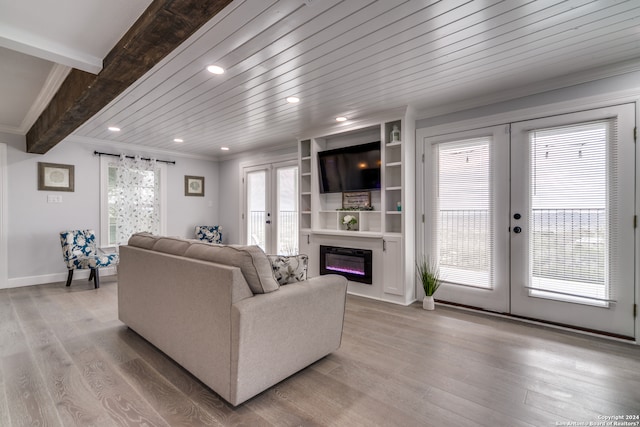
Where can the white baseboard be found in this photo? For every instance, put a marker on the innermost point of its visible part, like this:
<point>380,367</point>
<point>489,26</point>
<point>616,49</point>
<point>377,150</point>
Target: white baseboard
<point>19,282</point>
<point>357,294</point>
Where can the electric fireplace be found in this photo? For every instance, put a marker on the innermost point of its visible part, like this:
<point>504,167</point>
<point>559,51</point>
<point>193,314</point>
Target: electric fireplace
<point>354,264</point>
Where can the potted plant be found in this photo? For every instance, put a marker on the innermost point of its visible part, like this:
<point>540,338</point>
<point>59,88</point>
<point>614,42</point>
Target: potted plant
<point>429,275</point>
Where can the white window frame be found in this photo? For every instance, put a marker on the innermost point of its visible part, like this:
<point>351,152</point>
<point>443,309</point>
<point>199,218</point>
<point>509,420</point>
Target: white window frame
<point>105,161</point>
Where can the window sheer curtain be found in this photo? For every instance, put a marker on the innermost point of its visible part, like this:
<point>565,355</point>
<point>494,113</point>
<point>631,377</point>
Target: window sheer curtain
<point>136,197</point>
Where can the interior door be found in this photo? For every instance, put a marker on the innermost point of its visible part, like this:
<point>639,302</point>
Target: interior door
<point>271,207</point>
<point>466,230</point>
<point>572,232</point>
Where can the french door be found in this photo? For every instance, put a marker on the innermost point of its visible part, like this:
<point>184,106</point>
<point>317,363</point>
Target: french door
<point>271,207</point>
<point>466,198</point>
<point>572,210</point>
<point>536,218</point>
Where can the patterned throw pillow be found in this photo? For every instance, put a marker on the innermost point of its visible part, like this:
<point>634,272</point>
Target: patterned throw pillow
<point>289,269</point>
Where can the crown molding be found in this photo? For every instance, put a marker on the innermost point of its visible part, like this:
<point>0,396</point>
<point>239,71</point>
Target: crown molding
<point>12,130</point>
<point>55,78</point>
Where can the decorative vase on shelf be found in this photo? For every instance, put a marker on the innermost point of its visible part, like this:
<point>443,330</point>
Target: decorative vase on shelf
<point>395,134</point>
<point>350,221</point>
<point>428,303</point>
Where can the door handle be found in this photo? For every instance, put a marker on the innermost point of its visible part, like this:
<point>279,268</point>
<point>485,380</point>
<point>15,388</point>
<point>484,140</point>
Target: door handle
<point>268,221</point>
<point>517,230</point>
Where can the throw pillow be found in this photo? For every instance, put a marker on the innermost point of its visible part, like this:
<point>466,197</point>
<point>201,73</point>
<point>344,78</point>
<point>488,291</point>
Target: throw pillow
<point>289,269</point>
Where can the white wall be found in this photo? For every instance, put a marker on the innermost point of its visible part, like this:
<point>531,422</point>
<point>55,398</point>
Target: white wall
<point>621,86</point>
<point>230,187</point>
<point>34,225</point>
<point>185,212</point>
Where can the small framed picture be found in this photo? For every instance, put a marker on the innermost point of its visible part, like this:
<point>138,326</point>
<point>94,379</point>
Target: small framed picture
<point>55,177</point>
<point>356,200</point>
<point>194,186</point>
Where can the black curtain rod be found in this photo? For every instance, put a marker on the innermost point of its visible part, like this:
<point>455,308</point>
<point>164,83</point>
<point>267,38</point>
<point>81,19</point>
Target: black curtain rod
<point>98,153</point>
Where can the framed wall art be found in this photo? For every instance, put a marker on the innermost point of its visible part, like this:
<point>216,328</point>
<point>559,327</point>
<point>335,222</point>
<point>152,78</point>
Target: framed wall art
<point>55,177</point>
<point>356,200</point>
<point>194,186</point>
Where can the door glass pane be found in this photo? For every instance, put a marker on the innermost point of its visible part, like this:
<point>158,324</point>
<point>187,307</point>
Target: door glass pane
<point>463,230</point>
<point>568,213</point>
<point>287,179</point>
<point>256,208</point>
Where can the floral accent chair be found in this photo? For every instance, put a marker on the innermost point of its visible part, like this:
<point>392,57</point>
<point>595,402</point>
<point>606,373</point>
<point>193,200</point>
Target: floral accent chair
<point>289,268</point>
<point>79,252</point>
<point>209,233</point>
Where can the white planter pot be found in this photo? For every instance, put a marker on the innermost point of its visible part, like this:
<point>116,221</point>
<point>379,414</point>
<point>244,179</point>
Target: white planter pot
<point>428,303</point>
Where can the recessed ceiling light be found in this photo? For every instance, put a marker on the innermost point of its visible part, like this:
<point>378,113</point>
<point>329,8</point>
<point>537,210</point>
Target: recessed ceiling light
<point>178,140</point>
<point>224,148</point>
<point>293,99</point>
<point>214,69</point>
<point>341,119</point>
<point>114,129</point>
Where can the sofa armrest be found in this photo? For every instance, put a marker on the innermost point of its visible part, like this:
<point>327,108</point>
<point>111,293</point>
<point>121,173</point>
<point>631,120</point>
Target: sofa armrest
<point>275,335</point>
<point>183,307</point>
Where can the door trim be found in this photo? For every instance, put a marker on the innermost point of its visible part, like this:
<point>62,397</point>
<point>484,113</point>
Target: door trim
<point>253,163</point>
<point>496,299</point>
<point>617,316</point>
<point>4,209</point>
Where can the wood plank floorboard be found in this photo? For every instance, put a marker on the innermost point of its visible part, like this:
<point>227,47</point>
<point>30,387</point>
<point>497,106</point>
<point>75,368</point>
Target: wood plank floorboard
<point>66,360</point>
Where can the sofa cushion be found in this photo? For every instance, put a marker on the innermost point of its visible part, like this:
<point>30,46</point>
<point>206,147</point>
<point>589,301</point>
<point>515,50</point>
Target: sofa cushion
<point>251,260</point>
<point>171,245</point>
<point>289,269</point>
<point>143,240</point>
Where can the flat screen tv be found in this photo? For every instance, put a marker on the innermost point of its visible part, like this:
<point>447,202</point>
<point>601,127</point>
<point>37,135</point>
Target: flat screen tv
<point>354,168</point>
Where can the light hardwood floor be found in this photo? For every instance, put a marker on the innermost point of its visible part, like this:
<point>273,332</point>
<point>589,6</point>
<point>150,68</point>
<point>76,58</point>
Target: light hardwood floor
<point>65,360</point>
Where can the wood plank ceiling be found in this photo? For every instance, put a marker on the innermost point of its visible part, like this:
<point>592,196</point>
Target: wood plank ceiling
<point>357,58</point>
<point>161,28</point>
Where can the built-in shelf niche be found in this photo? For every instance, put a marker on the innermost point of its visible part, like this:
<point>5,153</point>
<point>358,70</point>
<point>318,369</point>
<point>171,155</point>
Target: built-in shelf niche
<point>393,152</point>
<point>393,172</point>
<point>388,128</point>
<point>368,221</point>
<point>394,197</point>
<point>305,184</point>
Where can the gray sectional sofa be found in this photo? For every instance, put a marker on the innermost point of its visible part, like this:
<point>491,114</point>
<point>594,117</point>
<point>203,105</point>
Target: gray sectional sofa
<point>219,312</point>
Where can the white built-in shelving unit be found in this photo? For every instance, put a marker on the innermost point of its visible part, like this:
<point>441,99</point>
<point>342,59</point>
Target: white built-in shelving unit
<point>387,230</point>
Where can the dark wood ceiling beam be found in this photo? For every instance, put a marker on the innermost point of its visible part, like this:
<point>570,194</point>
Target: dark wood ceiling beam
<point>163,26</point>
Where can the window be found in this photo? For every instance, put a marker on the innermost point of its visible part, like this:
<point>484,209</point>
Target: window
<point>463,211</point>
<point>570,189</point>
<point>133,198</point>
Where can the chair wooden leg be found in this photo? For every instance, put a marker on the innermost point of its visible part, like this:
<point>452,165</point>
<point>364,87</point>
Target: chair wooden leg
<point>69,277</point>
<point>91,274</point>
<point>96,278</point>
